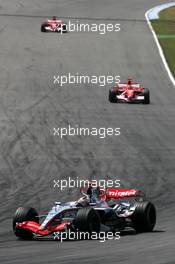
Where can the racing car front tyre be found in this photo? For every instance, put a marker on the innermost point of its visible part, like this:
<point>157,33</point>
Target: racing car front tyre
<point>146,96</point>
<point>43,28</point>
<point>64,28</point>
<point>24,214</point>
<point>87,220</point>
<point>144,217</point>
<point>112,96</point>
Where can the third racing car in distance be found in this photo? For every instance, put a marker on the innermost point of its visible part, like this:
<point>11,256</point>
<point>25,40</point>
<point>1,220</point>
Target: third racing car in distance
<point>98,209</point>
<point>129,92</point>
<point>54,25</point>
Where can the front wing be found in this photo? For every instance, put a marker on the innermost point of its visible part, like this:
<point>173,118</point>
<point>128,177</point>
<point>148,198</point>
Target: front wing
<point>36,229</point>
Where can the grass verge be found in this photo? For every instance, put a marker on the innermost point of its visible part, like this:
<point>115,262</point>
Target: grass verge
<point>165,30</point>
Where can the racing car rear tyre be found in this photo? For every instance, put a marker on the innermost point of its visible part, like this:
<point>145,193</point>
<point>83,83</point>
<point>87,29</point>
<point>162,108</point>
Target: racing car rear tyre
<point>112,96</point>
<point>146,96</point>
<point>87,220</point>
<point>144,217</point>
<point>24,214</point>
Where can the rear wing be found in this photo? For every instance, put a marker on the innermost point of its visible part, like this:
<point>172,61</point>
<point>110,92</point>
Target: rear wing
<point>133,85</point>
<point>55,21</point>
<point>122,193</point>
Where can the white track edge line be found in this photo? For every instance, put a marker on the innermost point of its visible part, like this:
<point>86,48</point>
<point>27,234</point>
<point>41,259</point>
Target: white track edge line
<point>161,53</point>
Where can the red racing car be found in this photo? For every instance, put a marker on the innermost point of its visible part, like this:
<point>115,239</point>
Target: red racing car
<point>54,25</point>
<point>129,92</point>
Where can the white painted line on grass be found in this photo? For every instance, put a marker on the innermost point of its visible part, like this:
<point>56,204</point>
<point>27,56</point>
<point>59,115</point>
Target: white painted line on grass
<point>159,47</point>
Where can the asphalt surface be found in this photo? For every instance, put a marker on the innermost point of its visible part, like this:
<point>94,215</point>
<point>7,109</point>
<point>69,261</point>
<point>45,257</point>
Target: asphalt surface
<point>143,156</point>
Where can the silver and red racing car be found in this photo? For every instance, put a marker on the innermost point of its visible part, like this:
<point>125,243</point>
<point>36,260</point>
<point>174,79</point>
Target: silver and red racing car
<point>129,92</point>
<point>54,25</point>
<point>97,209</point>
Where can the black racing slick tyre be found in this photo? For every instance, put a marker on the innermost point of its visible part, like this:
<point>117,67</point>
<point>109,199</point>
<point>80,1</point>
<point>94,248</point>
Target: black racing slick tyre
<point>144,217</point>
<point>112,96</point>
<point>146,96</point>
<point>64,28</point>
<point>87,220</point>
<point>24,214</point>
<point>43,28</point>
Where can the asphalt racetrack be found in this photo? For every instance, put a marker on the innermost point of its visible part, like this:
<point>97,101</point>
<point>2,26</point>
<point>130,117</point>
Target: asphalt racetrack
<point>143,156</point>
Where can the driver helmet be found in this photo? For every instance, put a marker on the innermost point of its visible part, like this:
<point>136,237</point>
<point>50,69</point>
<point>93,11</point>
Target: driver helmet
<point>96,194</point>
<point>129,81</point>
